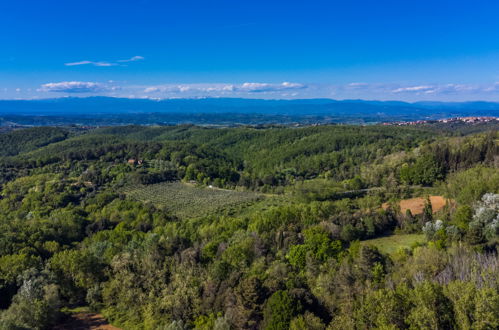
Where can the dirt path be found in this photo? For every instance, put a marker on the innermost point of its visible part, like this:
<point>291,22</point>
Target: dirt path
<point>85,321</point>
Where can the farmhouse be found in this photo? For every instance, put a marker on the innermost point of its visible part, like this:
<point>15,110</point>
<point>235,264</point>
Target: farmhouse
<point>133,161</point>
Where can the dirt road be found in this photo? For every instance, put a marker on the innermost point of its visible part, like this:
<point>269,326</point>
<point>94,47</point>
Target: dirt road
<point>85,321</point>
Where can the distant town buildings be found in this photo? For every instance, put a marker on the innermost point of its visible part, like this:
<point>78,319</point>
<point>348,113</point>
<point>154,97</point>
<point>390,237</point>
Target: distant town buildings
<point>467,120</point>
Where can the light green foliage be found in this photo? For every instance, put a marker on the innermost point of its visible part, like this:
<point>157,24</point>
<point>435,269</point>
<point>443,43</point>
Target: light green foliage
<point>13,266</point>
<point>394,243</point>
<point>307,321</point>
<point>382,309</point>
<point>469,186</point>
<point>433,310</point>
<point>486,313</point>
<point>211,322</point>
<point>80,266</point>
<point>463,296</point>
<point>241,251</point>
<point>297,255</point>
<point>317,245</point>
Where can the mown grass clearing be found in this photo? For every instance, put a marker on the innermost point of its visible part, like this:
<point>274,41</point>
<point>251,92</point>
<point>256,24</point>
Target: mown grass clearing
<point>393,243</point>
<point>187,201</point>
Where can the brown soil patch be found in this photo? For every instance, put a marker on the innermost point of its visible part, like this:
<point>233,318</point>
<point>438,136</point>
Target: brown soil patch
<point>86,321</point>
<point>416,205</point>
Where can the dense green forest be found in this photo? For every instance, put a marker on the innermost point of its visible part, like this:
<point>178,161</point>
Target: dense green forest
<point>188,227</point>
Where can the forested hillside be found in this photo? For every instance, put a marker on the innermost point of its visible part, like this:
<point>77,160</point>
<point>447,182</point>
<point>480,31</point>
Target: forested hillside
<point>16,142</point>
<point>187,227</point>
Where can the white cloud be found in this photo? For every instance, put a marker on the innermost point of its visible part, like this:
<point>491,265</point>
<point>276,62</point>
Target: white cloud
<point>104,63</point>
<point>90,63</point>
<point>412,92</point>
<point>459,88</point>
<point>493,88</point>
<point>266,88</point>
<point>184,88</point>
<point>285,90</point>
<point>172,89</point>
<point>416,89</point>
<point>444,89</point>
<point>224,89</point>
<point>73,87</point>
<point>358,85</point>
<point>151,90</point>
<point>132,59</point>
<point>78,63</point>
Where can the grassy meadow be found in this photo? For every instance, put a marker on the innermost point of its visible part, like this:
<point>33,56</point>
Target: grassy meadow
<point>393,243</point>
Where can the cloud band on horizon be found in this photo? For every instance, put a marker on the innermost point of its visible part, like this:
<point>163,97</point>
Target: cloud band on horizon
<point>247,87</point>
<point>284,90</point>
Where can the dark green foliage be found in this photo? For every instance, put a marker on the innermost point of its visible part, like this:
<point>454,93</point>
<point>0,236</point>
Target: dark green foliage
<point>427,210</point>
<point>462,217</point>
<point>279,310</point>
<point>28,139</point>
<point>425,171</point>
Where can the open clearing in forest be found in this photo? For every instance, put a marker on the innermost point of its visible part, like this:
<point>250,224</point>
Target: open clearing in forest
<point>187,201</point>
<point>85,321</point>
<point>393,243</point>
<point>416,205</point>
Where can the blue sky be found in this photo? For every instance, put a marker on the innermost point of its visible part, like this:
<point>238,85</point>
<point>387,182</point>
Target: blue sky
<point>404,50</point>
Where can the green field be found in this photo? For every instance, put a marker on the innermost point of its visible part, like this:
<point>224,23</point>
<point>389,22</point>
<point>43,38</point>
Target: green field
<point>393,243</point>
<point>187,201</point>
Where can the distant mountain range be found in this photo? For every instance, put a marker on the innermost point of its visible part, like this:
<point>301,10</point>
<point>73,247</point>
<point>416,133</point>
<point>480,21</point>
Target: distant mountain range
<point>212,110</point>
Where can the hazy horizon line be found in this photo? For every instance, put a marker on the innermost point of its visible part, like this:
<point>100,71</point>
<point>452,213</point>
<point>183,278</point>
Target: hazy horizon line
<point>244,98</point>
